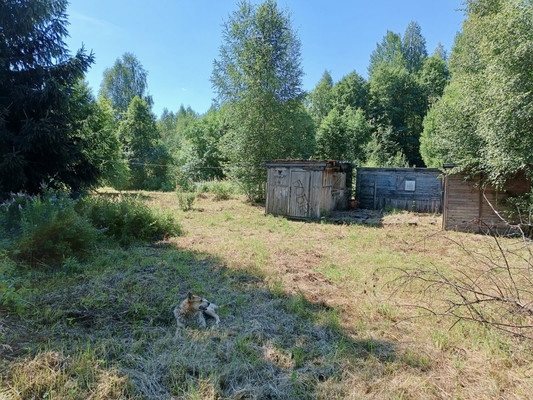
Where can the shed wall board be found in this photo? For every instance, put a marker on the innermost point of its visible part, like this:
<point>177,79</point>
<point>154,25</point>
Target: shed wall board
<point>472,208</point>
<point>306,189</point>
<point>413,189</point>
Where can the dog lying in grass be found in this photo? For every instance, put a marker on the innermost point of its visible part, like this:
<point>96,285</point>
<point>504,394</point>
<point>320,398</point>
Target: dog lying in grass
<point>195,306</point>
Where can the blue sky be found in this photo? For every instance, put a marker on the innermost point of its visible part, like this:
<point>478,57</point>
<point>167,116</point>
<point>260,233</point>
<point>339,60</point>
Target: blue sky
<point>177,41</point>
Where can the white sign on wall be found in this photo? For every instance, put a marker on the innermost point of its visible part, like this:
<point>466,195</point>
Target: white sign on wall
<point>410,186</point>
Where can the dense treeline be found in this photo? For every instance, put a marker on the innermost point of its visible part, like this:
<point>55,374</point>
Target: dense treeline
<point>412,109</point>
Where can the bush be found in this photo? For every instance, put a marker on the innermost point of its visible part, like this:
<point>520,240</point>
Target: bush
<point>11,213</point>
<point>128,220</point>
<point>186,200</point>
<point>223,190</point>
<point>11,294</point>
<point>45,228</point>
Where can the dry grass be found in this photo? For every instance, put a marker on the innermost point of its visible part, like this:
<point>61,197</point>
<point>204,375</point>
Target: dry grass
<point>313,313</point>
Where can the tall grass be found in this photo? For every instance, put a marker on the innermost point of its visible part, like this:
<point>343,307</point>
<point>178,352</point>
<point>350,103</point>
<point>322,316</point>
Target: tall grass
<point>307,312</point>
<point>128,220</point>
<point>52,374</point>
<point>222,190</point>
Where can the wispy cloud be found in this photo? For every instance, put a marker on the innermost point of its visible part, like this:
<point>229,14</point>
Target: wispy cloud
<point>96,22</point>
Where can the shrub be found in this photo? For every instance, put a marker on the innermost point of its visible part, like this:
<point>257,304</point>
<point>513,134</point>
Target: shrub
<point>186,200</point>
<point>11,296</point>
<point>129,220</point>
<point>223,190</point>
<point>46,227</point>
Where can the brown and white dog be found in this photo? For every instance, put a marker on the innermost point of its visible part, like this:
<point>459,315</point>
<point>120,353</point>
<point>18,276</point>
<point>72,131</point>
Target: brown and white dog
<point>195,306</point>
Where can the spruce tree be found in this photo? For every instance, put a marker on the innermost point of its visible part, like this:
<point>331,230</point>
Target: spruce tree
<point>39,139</point>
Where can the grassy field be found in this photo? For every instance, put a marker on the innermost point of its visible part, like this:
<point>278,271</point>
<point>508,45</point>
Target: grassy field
<point>313,310</point>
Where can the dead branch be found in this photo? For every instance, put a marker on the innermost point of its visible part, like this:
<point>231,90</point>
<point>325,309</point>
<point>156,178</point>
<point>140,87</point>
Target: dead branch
<point>495,289</point>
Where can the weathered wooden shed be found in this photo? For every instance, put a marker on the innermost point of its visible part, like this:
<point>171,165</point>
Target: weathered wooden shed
<point>470,207</point>
<point>412,189</point>
<point>305,189</point>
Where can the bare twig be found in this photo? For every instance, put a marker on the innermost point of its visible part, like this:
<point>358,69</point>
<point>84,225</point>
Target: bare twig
<point>496,289</point>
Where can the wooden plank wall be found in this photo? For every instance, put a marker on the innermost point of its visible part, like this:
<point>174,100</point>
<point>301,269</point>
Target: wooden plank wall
<point>335,190</point>
<point>306,189</point>
<point>470,208</point>
<point>302,203</point>
<point>278,191</point>
<point>413,189</point>
<point>462,199</point>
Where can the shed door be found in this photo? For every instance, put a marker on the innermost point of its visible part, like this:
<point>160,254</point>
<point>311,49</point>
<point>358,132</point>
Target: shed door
<point>300,194</point>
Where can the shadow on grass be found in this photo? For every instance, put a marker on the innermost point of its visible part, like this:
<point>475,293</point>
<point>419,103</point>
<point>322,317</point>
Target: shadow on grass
<point>268,345</point>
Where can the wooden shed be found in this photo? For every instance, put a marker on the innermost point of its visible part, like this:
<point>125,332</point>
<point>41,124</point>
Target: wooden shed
<point>469,207</point>
<point>305,189</point>
<point>412,189</point>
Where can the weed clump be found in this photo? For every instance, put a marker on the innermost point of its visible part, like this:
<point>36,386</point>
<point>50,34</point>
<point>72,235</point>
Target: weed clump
<point>128,220</point>
<point>45,228</point>
<point>186,200</point>
<point>223,190</point>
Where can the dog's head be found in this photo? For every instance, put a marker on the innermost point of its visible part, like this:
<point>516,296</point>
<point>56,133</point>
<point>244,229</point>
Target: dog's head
<point>196,303</point>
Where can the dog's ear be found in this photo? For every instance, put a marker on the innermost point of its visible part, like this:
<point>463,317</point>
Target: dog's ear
<point>189,295</point>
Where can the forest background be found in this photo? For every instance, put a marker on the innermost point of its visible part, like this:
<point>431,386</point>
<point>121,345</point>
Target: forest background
<point>415,108</point>
<point>88,277</point>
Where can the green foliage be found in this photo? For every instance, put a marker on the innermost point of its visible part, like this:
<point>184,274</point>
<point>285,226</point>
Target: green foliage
<point>382,151</point>
<point>398,101</point>
<point>403,82</point>
<point>95,123</point>
<point>125,80</point>
<point>10,216</point>
<point>146,156</point>
<point>522,211</point>
<point>414,47</point>
<point>259,77</point>
<point>11,295</point>
<point>343,136</point>
<point>388,52</point>
<point>128,220</point>
<point>201,154</point>
<point>482,124</point>
<point>38,111</point>
<point>186,200</point>
<point>261,53</point>
<point>350,91</point>
<point>269,130</point>
<point>321,99</point>
<point>173,128</point>
<point>223,190</point>
<point>428,141</point>
<point>434,75</point>
<point>46,228</point>
<point>331,136</point>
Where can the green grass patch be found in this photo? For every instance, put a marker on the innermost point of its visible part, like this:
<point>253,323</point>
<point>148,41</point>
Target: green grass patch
<point>307,312</point>
<point>129,220</point>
